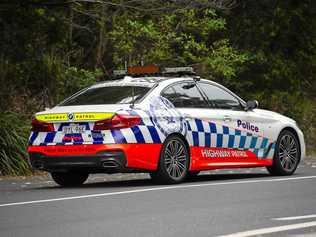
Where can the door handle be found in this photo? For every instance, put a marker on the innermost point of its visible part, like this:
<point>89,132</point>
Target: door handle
<point>187,117</point>
<point>227,118</point>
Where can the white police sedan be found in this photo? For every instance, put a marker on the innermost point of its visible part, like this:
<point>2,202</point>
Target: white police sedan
<point>171,125</point>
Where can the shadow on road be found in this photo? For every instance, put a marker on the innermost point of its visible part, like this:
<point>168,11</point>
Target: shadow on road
<point>146,182</point>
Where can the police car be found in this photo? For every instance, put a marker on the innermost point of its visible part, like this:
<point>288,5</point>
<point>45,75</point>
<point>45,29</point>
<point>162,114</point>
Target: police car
<point>171,124</point>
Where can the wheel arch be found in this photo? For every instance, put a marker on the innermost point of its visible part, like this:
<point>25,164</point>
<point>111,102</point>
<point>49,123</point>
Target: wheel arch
<point>182,137</point>
<point>288,128</point>
<point>277,168</point>
<point>159,175</point>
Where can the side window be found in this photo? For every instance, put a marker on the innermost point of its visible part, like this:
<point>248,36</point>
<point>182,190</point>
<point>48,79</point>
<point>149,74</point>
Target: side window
<point>185,95</point>
<point>220,98</point>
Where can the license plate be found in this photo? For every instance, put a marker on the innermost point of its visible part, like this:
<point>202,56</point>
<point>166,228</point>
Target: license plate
<point>74,128</point>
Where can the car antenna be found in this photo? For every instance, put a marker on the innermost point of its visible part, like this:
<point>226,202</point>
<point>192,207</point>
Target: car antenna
<point>133,91</point>
<point>133,97</point>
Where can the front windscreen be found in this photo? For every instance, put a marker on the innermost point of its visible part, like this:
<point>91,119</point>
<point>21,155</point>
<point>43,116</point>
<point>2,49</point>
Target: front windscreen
<point>108,95</point>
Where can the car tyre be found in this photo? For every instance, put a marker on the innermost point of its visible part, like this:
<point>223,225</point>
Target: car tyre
<point>173,163</point>
<point>69,179</point>
<point>192,175</point>
<point>286,156</point>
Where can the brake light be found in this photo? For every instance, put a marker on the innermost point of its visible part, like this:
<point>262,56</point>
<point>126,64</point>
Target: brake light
<point>117,122</point>
<point>39,126</point>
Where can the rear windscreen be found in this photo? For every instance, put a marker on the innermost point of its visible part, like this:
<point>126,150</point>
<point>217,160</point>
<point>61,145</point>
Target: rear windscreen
<point>108,95</point>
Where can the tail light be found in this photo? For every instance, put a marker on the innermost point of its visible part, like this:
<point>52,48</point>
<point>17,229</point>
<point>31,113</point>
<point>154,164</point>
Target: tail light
<point>38,126</point>
<point>117,122</point>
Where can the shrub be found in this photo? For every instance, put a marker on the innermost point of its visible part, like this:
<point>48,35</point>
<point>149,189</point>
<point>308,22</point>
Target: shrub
<point>14,133</point>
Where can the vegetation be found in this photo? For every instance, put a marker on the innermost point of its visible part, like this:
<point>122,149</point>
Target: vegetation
<point>263,50</point>
<point>14,134</point>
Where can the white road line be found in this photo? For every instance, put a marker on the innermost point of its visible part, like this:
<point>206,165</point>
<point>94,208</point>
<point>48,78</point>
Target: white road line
<point>155,189</point>
<point>271,230</point>
<point>289,218</point>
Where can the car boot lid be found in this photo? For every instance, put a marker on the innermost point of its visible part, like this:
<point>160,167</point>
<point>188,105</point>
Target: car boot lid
<point>79,113</point>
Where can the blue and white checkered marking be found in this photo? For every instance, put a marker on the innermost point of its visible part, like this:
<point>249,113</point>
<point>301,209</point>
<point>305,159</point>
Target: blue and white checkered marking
<point>198,133</point>
<point>146,132</point>
<point>208,134</point>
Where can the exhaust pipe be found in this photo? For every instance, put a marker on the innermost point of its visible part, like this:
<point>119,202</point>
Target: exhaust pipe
<point>109,164</point>
<point>38,165</point>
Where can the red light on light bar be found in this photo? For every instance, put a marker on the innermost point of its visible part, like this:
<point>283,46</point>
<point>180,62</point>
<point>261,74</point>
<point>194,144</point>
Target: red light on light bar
<point>148,69</point>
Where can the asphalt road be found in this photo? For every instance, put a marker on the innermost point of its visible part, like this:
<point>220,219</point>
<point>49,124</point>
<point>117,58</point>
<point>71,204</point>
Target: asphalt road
<point>214,204</point>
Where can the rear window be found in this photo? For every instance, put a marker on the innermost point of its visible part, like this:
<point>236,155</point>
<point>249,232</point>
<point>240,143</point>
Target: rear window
<point>108,95</point>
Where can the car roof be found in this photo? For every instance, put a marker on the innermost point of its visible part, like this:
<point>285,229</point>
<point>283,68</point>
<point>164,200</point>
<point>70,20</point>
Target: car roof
<point>155,81</point>
<point>144,81</point>
<point>150,81</point>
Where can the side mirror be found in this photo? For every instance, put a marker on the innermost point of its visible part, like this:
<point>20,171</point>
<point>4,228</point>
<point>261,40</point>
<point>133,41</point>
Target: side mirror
<point>188,86</point>
<point>251,104</point>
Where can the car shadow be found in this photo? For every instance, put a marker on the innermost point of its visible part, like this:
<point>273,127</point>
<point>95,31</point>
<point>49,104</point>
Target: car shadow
<point>146,182</point>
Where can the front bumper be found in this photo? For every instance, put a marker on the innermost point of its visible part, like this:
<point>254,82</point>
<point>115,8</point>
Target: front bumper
<point>302,144</point>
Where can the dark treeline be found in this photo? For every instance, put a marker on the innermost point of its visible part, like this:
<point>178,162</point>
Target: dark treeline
<point>264,50</point>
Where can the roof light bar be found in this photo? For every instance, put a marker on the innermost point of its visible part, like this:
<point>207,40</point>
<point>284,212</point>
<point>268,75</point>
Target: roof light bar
<point>153,70</point>
<point>178,70</point>
<point>119,72</point>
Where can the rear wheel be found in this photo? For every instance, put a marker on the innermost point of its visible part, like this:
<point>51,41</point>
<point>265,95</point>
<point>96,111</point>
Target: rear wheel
<point>287,154</point>
<point>174,162</point>
<point>69,179</point>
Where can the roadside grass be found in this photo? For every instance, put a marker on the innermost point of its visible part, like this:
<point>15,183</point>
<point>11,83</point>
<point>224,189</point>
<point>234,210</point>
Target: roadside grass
<point>13,142</point>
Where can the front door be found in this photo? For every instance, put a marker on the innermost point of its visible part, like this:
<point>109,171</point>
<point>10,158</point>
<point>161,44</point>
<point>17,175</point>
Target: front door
<point>242,130</point>
<point>220,132</point>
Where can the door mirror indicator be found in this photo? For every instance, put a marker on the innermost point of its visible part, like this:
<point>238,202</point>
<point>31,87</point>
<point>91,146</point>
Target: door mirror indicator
<point>251,104</point>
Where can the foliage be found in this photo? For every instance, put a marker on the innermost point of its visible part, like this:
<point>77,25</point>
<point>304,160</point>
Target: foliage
<point>263,50</point>
<point>280,39</point>
<point>73,80</point>
<point>187,37</point>
<point>14,134</point>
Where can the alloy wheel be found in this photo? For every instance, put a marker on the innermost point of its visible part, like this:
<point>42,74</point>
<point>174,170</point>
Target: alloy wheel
<point>175,159</point>
<point>288,152</point>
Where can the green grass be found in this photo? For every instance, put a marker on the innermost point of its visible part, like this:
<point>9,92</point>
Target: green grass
<point>14,131</point>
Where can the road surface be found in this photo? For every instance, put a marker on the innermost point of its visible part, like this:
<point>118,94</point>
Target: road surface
<point>235,203</point>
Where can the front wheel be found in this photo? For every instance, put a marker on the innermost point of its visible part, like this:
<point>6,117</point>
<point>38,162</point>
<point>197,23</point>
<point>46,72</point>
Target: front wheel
<point>69,179</point>
<point>174,162</point>
<point>287,154</point>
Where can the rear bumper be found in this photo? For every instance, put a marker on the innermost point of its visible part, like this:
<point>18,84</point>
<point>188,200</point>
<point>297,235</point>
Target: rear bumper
<point>107,162</point>
<point>95,158</point>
